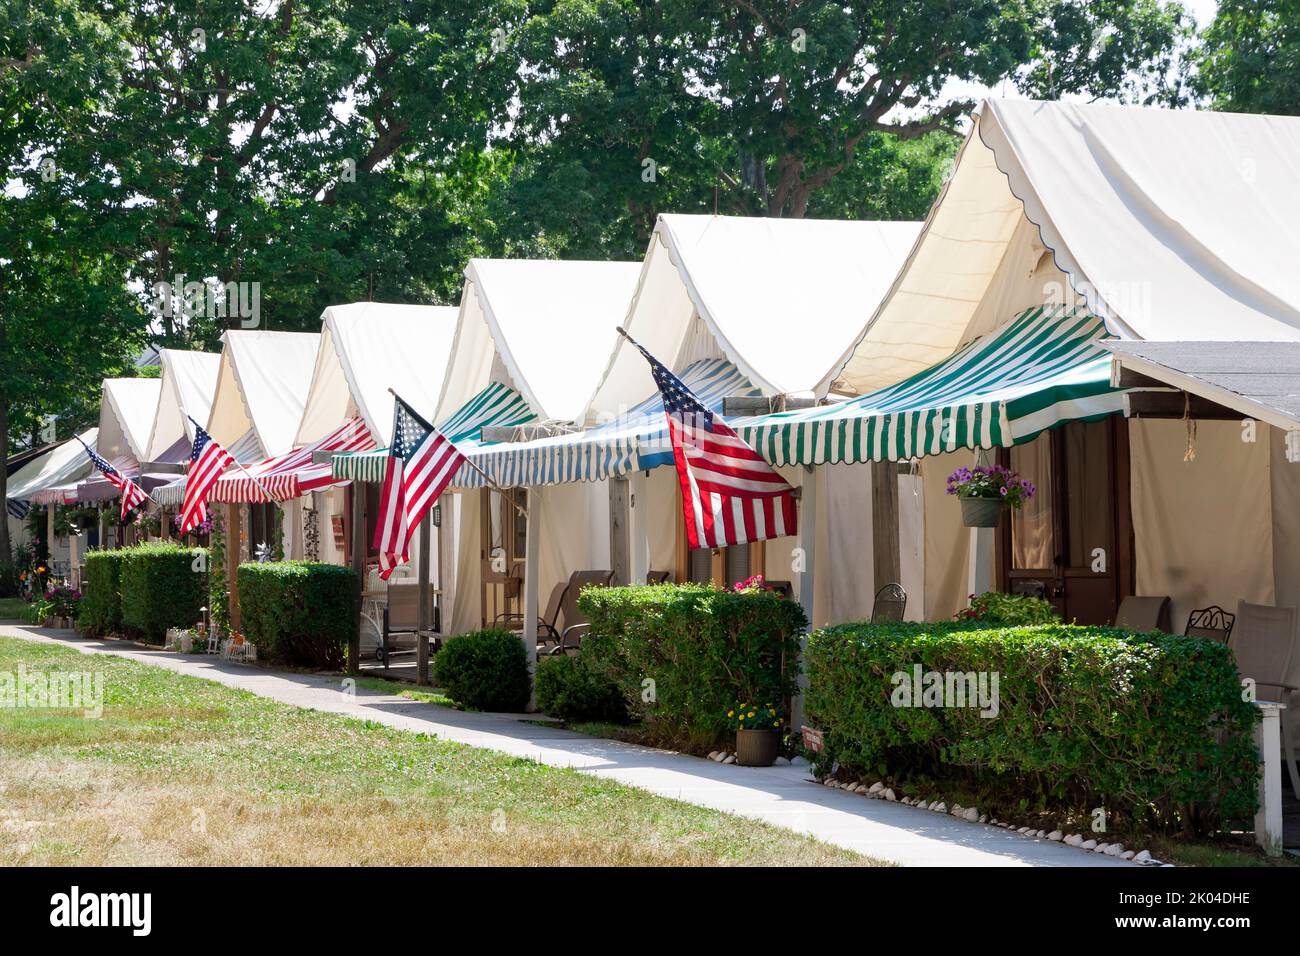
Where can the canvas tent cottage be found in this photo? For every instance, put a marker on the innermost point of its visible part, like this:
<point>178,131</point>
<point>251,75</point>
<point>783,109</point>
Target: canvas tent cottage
<point>713,300</point>
<point>1063,227</point>
<point>48,479</point>
<point>261,388</point>
<point>366,349</point>
<point>530,342</point>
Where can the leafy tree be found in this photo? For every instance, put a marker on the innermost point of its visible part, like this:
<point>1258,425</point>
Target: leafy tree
<point>66,316</point>
<point>758,106</point>
<point>1249,58</point>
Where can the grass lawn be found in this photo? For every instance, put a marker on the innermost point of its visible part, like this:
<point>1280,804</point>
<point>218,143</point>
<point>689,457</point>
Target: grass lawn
<point>11,609</point>
<point>184,771</point>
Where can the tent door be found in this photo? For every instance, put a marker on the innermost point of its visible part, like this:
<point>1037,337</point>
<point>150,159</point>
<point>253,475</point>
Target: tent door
<point>1071,543</point>
<point>503,533</point>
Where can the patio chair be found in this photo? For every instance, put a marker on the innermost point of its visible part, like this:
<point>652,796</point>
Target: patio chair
<point>890,603</point>
<point>547,623</point>
<point>1143,614</point>
<point>402,616</point>
<point>1212,623</point>
<point>575,622</point>
<point>1263,643</point>
<point>658,577</point>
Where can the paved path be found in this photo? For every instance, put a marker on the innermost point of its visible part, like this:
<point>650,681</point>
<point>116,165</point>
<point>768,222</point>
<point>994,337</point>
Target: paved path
<point>784,796</point>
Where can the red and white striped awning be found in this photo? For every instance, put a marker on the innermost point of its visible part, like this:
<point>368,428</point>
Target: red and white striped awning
<point>292,474</point>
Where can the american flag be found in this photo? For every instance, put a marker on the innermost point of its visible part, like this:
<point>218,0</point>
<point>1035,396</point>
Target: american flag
<point>132,494</point>
<point>730,495</point>
<point>207,461</point>
<point>421,462</point>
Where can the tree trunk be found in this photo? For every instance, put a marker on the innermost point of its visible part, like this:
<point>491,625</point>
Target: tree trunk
<point>6,549</point>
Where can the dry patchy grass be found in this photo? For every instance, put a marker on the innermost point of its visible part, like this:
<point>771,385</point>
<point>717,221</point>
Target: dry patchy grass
<point>184,771</point>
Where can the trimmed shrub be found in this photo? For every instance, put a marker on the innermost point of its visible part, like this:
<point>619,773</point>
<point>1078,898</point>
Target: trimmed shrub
<point>162,585</point>
<point>567,688</point>
<point>995,609</point>
<point>485,670</point>
<point>1150,726</point>
<point>300,612</point>
<point>100,612</point>
<point>703,648</point>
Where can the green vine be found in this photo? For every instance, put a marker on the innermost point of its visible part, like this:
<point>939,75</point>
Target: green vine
<point>218,587</point>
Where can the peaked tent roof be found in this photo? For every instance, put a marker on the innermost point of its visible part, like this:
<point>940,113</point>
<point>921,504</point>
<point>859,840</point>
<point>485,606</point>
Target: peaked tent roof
<point>262,385</point>
<point>783,299</point>
<point>1168,224</point>
<point>366,348</point>
<point>63,465</point>
<point>545,327</point>
<point>189,383</point>
<point>126,412</point>
<point>1044,368</point>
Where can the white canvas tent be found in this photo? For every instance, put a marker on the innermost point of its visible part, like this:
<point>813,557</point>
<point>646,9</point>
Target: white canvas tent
<point>59,468</point>
<point>780,300</point>
<point>126,414</point>
<point>366,348</point>
<point>540,334</point>
<point>1167,225</point>
<point>188,385</point>
<point>262,386</point>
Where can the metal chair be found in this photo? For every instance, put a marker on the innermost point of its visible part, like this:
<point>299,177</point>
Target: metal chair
<point>1212,623</point>
<point>890,603</point>
<point>658,577</point>
<point>1263,643</point>
<point>575,622</point>
<point>1143,614</point>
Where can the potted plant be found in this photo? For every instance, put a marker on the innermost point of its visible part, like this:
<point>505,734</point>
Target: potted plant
<point>758,734</point>
<point>984,491</point>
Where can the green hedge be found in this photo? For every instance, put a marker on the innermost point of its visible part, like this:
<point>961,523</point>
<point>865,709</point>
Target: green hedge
<point>484,670</point>
<point>100,612</point>
<point>162,585</point>
<point>569,689</point>
<point>684,654</point>
<point>301,612</point>
<point>1151,727</point>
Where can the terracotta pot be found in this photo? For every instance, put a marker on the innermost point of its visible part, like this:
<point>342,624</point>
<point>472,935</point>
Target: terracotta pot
<point>980,512</point>
<point>757,748</point>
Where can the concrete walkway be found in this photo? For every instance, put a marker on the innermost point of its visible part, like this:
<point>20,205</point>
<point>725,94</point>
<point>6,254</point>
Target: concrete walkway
<point>784,796</point>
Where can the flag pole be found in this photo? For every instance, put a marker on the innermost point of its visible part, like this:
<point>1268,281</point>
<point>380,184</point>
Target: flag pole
<point>486,477</point>
<point>251,477</point>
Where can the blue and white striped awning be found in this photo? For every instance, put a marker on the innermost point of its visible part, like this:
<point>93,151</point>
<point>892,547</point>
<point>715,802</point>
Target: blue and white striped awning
<point>1004,388</point>
<point>634,441</point>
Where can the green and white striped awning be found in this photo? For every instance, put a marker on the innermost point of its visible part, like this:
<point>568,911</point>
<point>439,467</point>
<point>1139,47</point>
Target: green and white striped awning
<point>1040,370</point>
<point>497,405</point>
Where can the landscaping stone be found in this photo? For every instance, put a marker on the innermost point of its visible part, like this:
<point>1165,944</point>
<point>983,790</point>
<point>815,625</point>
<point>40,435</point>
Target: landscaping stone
<point>1115,849</point>
<point>1074,839</point>
<point>984,818</point>
<point>1088,844</point>
<point>1143,856</point>
<point>939,807</point>
<point>889,795</point>
<point>971,814</point>
<point>731,758</point>
<point>1056,836</point>
<point>781,762</point>
<point>876,787</point>
<point>1126,855</point>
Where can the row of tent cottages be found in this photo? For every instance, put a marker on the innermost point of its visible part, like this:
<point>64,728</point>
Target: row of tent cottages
<point>1099,298</point>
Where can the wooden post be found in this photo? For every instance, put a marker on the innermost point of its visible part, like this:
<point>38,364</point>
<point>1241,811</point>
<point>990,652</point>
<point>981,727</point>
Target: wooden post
<point>638,530</point>
<point>232,564</point>
<point>358,492</point>
<point>446,561</point>
<point>532,550</point>
<point>1268,819</point>
<point>620,554</point>
<point>164,527</point>
<point>807,583</point>
<point>886,563</point>
<point>49,537</point>
<point>422,622</point>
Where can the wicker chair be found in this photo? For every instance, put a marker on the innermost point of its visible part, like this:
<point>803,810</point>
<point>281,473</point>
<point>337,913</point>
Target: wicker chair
<point>890,604</point>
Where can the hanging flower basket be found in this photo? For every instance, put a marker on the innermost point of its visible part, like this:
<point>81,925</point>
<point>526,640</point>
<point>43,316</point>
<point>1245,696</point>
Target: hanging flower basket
<point>985,491</point>
<point>980,512</point>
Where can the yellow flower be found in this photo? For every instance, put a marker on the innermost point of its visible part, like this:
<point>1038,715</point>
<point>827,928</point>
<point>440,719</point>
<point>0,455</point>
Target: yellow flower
<point>731,713</point>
